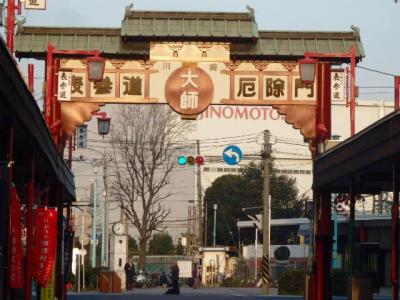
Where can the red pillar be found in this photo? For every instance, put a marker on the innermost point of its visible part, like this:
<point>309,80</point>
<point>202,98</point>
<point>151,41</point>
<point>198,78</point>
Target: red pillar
<point>48,101</point>
<point>60,285</point>
<point>397,92</point>
<point>353,91</point>
<point>323,239</point>
<point>29,236</point>
<point>351,229</point>
<point>322,207</point>
<point>10,157</point>
<point>10,24</point>
<point>395,230</point>
<point>70,152</point>
<point>31,77</point>
<point>57,107</point>
<point>323,112</point>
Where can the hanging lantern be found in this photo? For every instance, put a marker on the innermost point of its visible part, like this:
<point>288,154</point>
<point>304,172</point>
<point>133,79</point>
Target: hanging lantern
<point>103,125</point>
<point>95,68</point>
<point>307,67</point>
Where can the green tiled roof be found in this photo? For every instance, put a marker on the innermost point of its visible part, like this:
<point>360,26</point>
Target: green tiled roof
<point>296,43</point>
<point>32,41</point>
<point>139,28</point>
<point>182,25</point>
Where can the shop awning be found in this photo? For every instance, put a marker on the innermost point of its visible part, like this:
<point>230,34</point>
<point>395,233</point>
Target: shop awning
<point>31,134</point>
<point>366,158</point>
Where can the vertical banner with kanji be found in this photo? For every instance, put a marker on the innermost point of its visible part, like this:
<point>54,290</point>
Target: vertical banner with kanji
<point>45,243</point>
<point>68,248</point>
<point>338,83</point>
<point>16,260</point>
<point>64,85</point>
<point>47,293</point>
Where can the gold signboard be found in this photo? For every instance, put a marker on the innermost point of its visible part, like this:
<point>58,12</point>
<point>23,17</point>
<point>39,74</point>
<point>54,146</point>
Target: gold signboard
<point>189,77</point>
<point>147,82</point>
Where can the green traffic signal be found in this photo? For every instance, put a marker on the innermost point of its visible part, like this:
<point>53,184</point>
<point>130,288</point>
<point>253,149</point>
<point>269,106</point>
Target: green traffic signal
<point>190,160</point>
<point>182,160</point>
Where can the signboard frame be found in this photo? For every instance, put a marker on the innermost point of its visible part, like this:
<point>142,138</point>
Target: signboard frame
<point>185,268</point>
<point>36,4</point>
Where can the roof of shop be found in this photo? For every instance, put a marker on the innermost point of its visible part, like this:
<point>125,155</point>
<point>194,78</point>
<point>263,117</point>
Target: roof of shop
<point>366,158</point>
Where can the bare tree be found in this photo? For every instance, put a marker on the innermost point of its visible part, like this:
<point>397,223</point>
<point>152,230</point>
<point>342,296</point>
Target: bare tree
<point>144,140</point>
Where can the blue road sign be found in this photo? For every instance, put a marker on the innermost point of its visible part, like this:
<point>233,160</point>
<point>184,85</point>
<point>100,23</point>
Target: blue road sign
<point>232,155</point>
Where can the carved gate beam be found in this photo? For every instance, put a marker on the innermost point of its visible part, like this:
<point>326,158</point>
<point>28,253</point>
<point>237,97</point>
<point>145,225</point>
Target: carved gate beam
<point>76,113</point>
<point>301,117</point>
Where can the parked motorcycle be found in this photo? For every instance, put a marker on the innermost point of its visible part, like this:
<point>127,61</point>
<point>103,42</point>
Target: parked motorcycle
<point>140,279</point>
<point>144,279</point>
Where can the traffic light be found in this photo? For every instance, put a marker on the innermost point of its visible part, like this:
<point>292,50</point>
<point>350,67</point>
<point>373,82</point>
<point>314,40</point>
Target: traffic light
<point>81,133</point>
<point>190,160</point>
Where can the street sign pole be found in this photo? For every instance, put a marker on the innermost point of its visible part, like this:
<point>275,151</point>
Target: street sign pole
<point>215,224</point>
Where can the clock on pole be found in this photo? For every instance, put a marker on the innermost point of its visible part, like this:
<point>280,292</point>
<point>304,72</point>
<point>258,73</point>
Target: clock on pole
<point>118,228</point>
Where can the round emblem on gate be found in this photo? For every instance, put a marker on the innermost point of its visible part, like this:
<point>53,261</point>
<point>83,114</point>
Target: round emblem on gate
<point>189,90</point>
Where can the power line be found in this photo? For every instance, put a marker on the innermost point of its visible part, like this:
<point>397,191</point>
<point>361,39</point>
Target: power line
<point>375,87</point>
<point>375,93</point>
<point>376,71</point>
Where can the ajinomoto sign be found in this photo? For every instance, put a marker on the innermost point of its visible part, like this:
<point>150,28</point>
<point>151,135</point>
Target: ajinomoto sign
<point>190,82</point>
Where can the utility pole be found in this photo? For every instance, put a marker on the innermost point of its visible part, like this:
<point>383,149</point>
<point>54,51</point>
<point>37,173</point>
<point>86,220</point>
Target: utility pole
<point>267,212</point>
<point>94,231</point>
<point>189,232</point>
<point>199,201</point>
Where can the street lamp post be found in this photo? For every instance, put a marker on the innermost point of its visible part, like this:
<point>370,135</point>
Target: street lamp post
<point>105,233</point>
<point>103,127</point>
<point>215,224</point>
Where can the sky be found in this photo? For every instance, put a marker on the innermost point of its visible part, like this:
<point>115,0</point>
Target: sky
<point>378,21</point>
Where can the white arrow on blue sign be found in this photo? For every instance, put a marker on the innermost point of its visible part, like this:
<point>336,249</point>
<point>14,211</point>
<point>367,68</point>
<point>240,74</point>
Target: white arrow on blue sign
<point>232,155</point>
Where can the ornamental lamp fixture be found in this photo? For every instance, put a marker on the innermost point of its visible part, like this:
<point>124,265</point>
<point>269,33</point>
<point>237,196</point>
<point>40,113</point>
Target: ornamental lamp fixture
<point>95,68</point>
<point>307,67</point>
<point>103,125</point>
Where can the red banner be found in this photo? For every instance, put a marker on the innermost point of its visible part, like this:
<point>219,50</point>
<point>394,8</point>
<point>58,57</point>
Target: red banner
<point>45,243</point>
<point>16,259</point>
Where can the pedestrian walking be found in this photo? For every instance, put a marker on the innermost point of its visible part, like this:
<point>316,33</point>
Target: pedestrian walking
<point>175,281</point>
<point>196,277</point>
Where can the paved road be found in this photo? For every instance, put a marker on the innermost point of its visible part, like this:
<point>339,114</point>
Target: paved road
<point>187,293</point>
